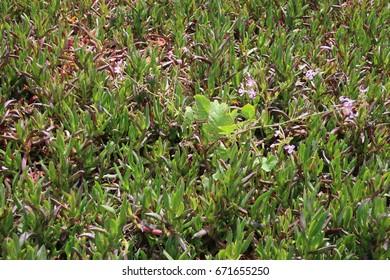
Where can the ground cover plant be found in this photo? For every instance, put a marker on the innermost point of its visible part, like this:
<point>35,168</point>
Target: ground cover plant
<point>194,129</point>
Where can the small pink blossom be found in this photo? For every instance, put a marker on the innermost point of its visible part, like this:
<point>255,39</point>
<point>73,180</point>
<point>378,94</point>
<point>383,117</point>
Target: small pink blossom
<point>277,133</point>
<point>252,93</point>
<point>249,87</point>
<point>120,66</point>
<point>289,148</point>
<point>185,49</point>
<point>241,90</point>
<point>310,74</point>
<point>350,112</point>
<point>344,99</point>
<point>250,82</point>
<point>302,66</point>
<point>348,108</point>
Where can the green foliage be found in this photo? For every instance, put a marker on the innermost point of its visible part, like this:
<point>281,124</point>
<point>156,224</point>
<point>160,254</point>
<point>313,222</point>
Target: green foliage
<point>194,130</point>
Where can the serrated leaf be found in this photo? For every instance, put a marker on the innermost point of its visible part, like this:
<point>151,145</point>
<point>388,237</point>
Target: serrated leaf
<point>223,153</point>
<point>227,129</point>
<point>211,131</point>
<point>267,164</point>
<point>248,111</point>
<point>219,116</point>
<point>202,107</point>
<point>189,116</point>
<point>233,114</point>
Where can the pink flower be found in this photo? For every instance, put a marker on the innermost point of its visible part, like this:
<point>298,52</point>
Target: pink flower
<point>348,108</point>
<point>250,82</point>
<point>241,90</point>
<point>350,112</point>
<point>249,87</point>
<point>186,50</point>
<point>310,74</point>
<point>277,133</point>
<point>120,66</point>
<point>252,93</point>
<point>289,148</point>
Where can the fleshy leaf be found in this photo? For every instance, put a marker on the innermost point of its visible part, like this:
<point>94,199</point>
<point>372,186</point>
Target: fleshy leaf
<point>108,208</point>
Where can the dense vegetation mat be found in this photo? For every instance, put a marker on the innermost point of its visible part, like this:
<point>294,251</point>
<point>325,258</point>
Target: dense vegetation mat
<point>194,129</point>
